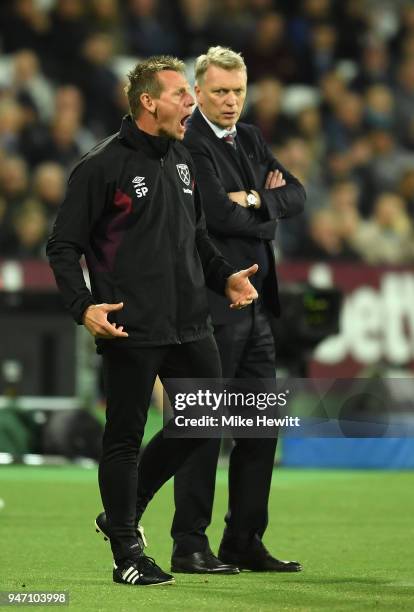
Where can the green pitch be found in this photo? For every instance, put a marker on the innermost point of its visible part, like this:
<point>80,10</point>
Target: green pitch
<point>353,532</point>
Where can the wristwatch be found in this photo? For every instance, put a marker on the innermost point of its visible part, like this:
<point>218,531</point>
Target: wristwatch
<point>251,200</point>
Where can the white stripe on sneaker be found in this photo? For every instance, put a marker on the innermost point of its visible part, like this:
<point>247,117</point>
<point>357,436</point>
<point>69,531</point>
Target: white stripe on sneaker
<point>136,578</point>
<point>132,576</point>
<point>128,572</point>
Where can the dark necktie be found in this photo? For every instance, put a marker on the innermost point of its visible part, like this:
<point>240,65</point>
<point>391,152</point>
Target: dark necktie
<point>229,138</point>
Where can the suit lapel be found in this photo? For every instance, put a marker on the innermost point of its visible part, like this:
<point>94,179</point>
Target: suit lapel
<point>244,148</point>
<point>238,160</point>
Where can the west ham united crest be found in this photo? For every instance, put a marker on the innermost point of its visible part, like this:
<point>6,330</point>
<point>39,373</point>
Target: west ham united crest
<point>184,173</point>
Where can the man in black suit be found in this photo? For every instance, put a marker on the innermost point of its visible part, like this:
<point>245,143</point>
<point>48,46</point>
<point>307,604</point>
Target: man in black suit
<point>245,192</point>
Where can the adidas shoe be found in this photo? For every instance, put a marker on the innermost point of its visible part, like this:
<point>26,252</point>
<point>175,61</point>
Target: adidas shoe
<point>102,527</point>
<point>141,572</point>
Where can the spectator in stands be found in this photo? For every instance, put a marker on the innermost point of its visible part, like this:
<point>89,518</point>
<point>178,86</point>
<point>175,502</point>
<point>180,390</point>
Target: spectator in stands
<point>405,29</point>
<point>406,190</point>
<point>388,162</point>
<point>338,167</point>
<point>404,102</point>
<point>39,140</point>
<point>70,98</point>
<point>11,125</point>
<point>388,237</point>
<point>59,142</point>
<point>375,66</point>
<point>309,127</point>
<point>194,24</point>
<point>6,236</point>
<point>408,47</point>
<point>332,87</point>
<point>349,223</point>
<point>148,30</point>
<point>344,202</point>
<point>346,122</point>
<point>352,25</point>
<point>30,230</point>
<point>300,28</point>
<point>26,26</point>
<point>266,111</point>
<point>258,7</point>
<point>233,26</point>
<point>344,196</point>
<point>379,106</point>
<point>106,17</point>
<point>296,155</point>
<point>28,80</point>
<point>14,181</point>
<point>269,51</point>
<point>325,241</point>
<point>49,188</point>
<point>321,55</point>
<point>99,85</point>
<point>69,28</point>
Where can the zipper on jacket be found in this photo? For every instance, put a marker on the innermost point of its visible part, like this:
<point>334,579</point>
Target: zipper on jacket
<point>178,339</point>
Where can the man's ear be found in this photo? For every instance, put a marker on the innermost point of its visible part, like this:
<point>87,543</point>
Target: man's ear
<point>148,103</point>
<point>197,91</point>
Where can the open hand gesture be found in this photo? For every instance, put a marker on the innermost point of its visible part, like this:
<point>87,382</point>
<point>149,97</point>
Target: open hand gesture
<point>96,321</point>
<point>239,289</point>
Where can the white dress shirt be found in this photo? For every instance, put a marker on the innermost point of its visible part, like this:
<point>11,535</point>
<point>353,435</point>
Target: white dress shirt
<point>220,132</point>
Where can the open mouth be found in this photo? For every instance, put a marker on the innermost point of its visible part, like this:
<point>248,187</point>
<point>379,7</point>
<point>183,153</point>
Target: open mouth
<point>184,119</point>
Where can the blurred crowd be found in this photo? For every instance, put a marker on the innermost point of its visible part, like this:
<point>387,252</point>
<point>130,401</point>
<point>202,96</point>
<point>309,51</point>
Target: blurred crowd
<point>331,85</point>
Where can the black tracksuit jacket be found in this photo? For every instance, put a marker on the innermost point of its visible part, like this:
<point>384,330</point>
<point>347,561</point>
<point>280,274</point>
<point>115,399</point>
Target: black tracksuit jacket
<point>132,208</point>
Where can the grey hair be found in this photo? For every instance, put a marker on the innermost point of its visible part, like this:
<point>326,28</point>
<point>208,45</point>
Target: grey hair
<point>223,57</point>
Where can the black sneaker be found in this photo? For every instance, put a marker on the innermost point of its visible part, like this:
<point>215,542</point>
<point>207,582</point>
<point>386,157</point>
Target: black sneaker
<point>102,527</point>
<point>141,572</point>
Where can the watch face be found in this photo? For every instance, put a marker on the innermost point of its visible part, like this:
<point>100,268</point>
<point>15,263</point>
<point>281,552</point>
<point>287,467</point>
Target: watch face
<point>251,199</point>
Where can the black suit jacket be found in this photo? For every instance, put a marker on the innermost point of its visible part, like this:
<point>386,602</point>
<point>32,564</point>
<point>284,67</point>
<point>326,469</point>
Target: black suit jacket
<point>219,170</point>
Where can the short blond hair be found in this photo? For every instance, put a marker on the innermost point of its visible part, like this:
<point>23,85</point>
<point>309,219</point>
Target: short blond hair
<point>223,57</point>
<point>144,79</point>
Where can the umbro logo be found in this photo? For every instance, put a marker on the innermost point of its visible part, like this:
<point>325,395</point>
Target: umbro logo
<point>138,184</point>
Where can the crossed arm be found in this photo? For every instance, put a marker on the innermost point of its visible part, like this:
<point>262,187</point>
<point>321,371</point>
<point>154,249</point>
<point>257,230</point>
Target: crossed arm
<point>273,180</point>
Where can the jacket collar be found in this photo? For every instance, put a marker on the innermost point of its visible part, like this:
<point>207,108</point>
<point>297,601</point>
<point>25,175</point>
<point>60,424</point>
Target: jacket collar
<point>155,146</point>
<point>218,131</point>
<point>198,121</point>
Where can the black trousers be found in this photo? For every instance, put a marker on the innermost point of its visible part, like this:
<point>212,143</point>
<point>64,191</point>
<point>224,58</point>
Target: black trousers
<point>129,376</point>
<point>247,351</point>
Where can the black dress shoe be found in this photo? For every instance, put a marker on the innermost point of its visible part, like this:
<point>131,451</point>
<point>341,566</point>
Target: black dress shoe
<point>257,559</point>
<point>201,563</point>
